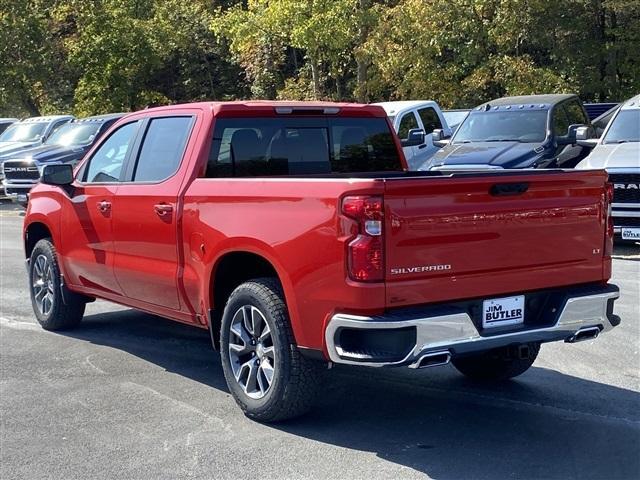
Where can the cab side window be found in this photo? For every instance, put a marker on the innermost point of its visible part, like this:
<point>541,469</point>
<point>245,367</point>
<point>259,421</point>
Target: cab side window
<point>560,122</point>
<point>407,122</point>
<point>575,113</point>
<point>430,119</point>
<point>105,166</point>
<point>162,148</point>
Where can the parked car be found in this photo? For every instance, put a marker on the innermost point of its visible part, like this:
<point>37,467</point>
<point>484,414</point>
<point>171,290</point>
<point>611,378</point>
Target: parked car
<point>30,132</point>
<point>533,131</point>
<point>6,122</point>
<point>416,115</point>
<point>455,117</point>
<point>618,151</point>
<point>67,144</point>
<point>291,232</point>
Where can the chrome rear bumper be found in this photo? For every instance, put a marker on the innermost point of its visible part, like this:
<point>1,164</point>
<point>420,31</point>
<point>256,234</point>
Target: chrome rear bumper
<point>456,333</point>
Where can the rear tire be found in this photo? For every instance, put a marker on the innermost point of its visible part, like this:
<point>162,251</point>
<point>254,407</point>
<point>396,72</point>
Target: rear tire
<point>498,365</point>
<point>268,377</point>
<point>52,310</point>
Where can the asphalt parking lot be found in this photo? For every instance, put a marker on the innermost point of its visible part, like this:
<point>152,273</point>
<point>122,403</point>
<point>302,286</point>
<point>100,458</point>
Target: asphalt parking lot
<point>133,396</point>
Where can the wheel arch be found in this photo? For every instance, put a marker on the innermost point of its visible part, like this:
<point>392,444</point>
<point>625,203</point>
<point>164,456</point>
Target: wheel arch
<point>33,233</point>
<point>234,267</point>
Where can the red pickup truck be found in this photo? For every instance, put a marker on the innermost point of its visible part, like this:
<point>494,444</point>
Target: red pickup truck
<point>294,233</point>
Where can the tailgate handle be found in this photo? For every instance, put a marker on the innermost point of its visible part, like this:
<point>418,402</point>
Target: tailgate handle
<point>500,189</point>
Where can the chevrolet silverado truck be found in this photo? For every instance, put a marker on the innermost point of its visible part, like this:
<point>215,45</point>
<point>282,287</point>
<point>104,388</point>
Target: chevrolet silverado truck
<point>618,151</point>
<point>294,233</point>
<point>68,144</point>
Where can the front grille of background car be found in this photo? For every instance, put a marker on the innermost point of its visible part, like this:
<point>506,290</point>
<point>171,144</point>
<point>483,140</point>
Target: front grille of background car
<point>625,195</point>
<point>626,221</point>
<point>20,170</point>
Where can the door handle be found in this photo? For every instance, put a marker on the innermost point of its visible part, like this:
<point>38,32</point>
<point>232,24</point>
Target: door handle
<point>422,146</point>
<point>163,209</point>
<point>104,206</point>
<point>504,189</point>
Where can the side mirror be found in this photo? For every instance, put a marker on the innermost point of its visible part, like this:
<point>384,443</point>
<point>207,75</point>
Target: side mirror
<point>440,138</point>
<point>586,137</point>
<point>61,175</point>
<point>570,137</point>
<point>415,137</point>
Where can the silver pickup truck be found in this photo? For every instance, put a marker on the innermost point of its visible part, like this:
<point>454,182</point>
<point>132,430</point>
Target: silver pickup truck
<point>618,151</point>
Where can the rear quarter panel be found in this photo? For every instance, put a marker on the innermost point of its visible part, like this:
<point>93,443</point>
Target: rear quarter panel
<point>294,224</point>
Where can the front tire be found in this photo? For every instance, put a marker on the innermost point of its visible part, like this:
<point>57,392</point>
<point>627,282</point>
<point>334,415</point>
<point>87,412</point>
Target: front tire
<point>53,311</point>
<point>268,377</point>
<point>498,365</point>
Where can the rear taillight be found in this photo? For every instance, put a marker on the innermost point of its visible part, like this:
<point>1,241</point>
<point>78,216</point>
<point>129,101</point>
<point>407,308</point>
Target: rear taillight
<point>608,242</point>
<point>365,252</point>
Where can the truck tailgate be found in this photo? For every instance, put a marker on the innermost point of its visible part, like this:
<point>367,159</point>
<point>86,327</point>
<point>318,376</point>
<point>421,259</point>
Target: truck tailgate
<point>485,235</point>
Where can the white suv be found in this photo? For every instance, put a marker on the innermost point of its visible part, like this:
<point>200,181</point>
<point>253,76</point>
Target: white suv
<point>618,151</point>
<point>422,115</point>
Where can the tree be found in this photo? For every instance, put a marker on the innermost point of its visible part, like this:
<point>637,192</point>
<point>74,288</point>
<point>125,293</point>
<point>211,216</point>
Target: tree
<point>33,77</point>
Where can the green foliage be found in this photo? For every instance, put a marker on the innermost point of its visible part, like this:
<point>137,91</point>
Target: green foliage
<point>94,56</point>
<point>33,74</point>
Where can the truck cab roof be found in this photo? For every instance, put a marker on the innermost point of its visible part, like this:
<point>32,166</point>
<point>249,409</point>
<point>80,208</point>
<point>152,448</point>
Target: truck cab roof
<point>276,108</point>
<point>100,118</point>
<point>532,101</point>
<point>46,119</point>
<point>398,107</point>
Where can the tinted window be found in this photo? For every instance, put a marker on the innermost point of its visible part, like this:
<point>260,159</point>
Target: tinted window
<point>162,148</point>
<point>407,122</point>
<point>274,146</point>
<point>106,163</point>
<point>503,126</point>
<point>430,120</point>
<point>625,127</point>
<point>560,122</point>
<point>575,113</point>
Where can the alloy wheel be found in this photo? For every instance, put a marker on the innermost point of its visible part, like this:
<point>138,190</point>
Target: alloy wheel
<point>251,351</point>
<point>43,285</point>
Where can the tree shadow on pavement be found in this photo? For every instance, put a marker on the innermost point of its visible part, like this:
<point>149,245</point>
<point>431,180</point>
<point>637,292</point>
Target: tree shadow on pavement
<point>545,424</point>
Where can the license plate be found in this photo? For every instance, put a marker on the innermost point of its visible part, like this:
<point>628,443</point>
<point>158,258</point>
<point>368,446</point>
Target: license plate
<point>498,312</point>
<point>630,233</point>
<point>22,197</point>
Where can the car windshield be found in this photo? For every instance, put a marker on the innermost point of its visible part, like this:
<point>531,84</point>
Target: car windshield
<point>23,132</point>
<point>625,127</point>
<point>74,134</point>
<point>503,126</point>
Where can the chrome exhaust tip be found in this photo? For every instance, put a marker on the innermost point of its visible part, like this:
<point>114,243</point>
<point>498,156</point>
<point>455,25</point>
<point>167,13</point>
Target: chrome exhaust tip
<point>433,359</point>
<point>584,334</point>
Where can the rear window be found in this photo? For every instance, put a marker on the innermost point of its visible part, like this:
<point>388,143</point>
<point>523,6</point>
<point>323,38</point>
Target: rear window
<point>254,147</point>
